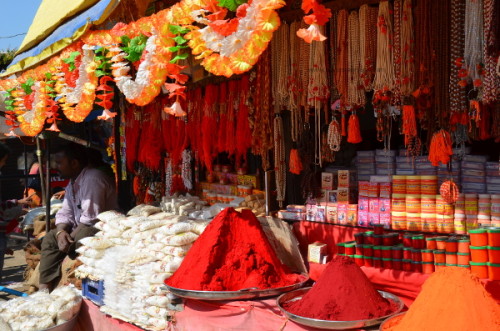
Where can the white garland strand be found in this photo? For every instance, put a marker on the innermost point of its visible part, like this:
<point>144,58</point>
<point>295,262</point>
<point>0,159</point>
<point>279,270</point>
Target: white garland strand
<point>132,89</point>
<point>473,53</point>
<point>317,88</point>
<point>384,74</point>
<point>186,172</point>
<point>74,95</point>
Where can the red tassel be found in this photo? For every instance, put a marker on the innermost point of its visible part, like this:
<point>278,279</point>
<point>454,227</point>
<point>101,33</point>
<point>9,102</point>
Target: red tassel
<point>409,123</point>
<point>295,162</point>
<point>354,133</point>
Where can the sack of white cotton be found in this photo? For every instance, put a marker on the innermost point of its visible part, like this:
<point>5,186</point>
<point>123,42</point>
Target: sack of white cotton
<point>169,266</point>
<point>181,239</point>
<point>96,242</point>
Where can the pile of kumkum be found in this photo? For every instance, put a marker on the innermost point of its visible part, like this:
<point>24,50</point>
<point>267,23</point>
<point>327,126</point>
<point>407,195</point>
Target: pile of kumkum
<point>451,299</point>
<point>233,253</point>
<point>342,293</point>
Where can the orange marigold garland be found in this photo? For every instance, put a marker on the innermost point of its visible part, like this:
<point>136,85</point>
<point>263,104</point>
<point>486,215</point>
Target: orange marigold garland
<point>319,16</point>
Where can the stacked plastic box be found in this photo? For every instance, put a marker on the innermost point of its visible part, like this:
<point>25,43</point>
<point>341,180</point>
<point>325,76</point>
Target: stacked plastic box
<point>474,174</point>
<point>365,164</point>
<point>493,177</point>
<point>445,174</point>
<point>423,166</point>
<point>405,165</point>
<point>385,164</point>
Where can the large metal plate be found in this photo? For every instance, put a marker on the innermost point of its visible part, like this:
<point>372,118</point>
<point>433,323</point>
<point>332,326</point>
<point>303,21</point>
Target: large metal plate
<point>390,319</point>
<point>335,325</point>
<point>66,326</point>
<point>250,293</point>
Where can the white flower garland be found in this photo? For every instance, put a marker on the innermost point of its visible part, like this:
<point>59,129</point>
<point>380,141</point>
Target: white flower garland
<point>132,89</point>
<point>74,95</point>
<point>29,115</point>
<point>227,46</point>
<point>186,169</point>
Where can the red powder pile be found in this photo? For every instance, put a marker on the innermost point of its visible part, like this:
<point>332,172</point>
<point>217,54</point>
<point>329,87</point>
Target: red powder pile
<point>342,293</point>
<point>233,253</point>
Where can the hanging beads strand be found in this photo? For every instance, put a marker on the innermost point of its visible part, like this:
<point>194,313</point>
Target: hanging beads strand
<point>293,81</point>
<point>491,51</point>
<point>368,44</point>
<point>458,101</point>
<point>384,74</point>
<point>279,160</point>
<point>341,66</point>
<point>317,89</point>
<point>407,50</point>
<point>304,55</point>
<point>473,53</point>
<point>280,66</point>
<point>333,54</point>
<point>396,52</point>
<point>355,94</point>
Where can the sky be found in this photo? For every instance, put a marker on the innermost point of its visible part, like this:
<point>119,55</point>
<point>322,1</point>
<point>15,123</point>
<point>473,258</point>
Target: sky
<point>16,17</point>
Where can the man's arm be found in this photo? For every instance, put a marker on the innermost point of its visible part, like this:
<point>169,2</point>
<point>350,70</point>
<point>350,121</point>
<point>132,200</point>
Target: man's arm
<point>64,220</point>
<point>93,194</point>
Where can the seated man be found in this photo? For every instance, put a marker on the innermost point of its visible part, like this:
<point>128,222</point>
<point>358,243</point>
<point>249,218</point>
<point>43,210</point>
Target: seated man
<point>89,193</point>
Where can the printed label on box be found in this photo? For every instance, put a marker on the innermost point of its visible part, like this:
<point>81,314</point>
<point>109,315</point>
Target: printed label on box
<point>342,213</point>
<point>311,212</point>
<point>385,190</point>
<point>374,218</point>
<point>385,219</point>
<point>364,188</point>
<point>363,219</point>
<point>384,205</point>
<point>326,181</point>
<point>343,194</point>
<point>352,214</point>
<point>320,213</point>
<point>331,213</point>
<point>374,205</point>
<point>363,204</point>
<point>343,176</point>
<point>374,190</point>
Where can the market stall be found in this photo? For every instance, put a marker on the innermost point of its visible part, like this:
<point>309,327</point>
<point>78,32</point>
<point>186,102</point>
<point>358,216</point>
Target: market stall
<point>371,126</point>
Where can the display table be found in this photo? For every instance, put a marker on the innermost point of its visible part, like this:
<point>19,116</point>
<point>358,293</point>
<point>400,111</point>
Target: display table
<point>91,319</point>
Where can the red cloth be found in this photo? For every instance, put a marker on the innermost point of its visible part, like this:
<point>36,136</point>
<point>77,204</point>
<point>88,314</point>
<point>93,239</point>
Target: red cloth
<point>91,319</point>
<point>309,232</point>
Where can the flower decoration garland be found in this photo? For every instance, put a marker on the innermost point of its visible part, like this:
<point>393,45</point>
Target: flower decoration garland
<point>319,15</point>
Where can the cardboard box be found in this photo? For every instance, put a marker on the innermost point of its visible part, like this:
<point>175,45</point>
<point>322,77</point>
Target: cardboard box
<point>323,197</point>
<point>331,196</point>
<point>316,251</point>
<point>364,188</point>
<point>331,212</point>
<point>343,177</point>
<point>385,190</point>
<point>311,212</point>
<point>384,205</point>
<point>352,214</point>
<point>249,180</point>
<point>342,213</point>
<point>343,195</point>
<point>363,204</point>
<point>363,219</point>
<point>373,218</point>
<point>385,219</point>
<point>320,213</point>
<point>290,215</point>
<point>326,181</point>
<point>374,205</point>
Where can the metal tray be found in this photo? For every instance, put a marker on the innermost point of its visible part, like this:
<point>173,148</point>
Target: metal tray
<point>250,293</point>
<point>66,326</point>
<point>334,325</point>
<point>387,321</point>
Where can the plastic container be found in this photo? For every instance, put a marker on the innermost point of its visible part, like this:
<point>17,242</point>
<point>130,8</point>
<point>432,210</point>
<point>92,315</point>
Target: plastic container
<point>416,255</point>
<point>414,221</point>
<point>427,255</point>
<point>463,245</point>
<point>494,237</point>
<point>359,260</point>
<point>429,184</point>
<point>478,237</point>
<point>341,248</point>
<point>429,222</point>
<point>467,266</point>
<point>407,253</point>
<point>93,290</point>
<point>413,185</point>
<point>451,258</point>
<point>368,261</point>
<point>479,253</point>
<point>418,241</point>
<point>377,252</point>
<point>359,238</point>
<point>494,271</point>
<point>438,266</point>
<point>368,250</point>
<point>439,256</point>
<point>399,184</point>
<point>368,237</point>
<point>428,204</point>
<point>480,269</point>
<point>407,240</point>
<point>441,242</point>
<point>386,263</point>
<point>358,249</point>
<point>416,266</point>
<point>386,252</point>
<point>398,220</point>
<point>451,264</point>
<point>398,203</point>
<point>430,243</point>
<point>427,267</point>
<point>377,239</point>
<point>377,262</point>
<point>388,240</point>
<point>407,266</point>
<point>349,248</point>
<point>413,203</point>
<point>397,264</point>
<point>493,254</point>
<point>463,258</point>
<point>397,252</point>
<point>378,229</point>
<point>452,245</point>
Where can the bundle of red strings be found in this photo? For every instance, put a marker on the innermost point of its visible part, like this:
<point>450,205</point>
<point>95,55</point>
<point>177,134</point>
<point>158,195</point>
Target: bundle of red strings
<point>441,148</point>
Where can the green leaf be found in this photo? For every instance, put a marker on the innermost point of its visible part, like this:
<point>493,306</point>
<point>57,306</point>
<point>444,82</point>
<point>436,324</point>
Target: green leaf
<point>27,86</point>
<point>180,40</point>
<point>232,5</point>
<point>177,29</point>
<point>125,40</point>
<point>133,57</point>
<point>179,57</point>
<point>100,73</point>
<point>48,75</point>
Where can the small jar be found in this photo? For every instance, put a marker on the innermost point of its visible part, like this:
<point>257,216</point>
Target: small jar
<point>386,252</point>
<point>407,253</point>
<point>359,238</point>
<point>407,240</point>
<point>452,245</point>
<point>397,252</point>
<point>358,249</point>
<point>341,248</point>
<point>430,243</point>
<point>377,239</point>
<point>368,261</point>
<point>386,263</point>
<point>368,250</point>
<point>416,255</point>
<point>377,262</point>
<point>418,241</point>
<point>427,267</point>
<point>377,252</point>
<point>397,264</point>
<point>417,266</point>
<point>407,266</point>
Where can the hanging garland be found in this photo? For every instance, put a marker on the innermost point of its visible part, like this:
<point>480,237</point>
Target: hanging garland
<point>319,16</point>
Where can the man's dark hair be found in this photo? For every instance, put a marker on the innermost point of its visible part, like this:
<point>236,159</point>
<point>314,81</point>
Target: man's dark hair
<point>4,150</point>
<point>75,151</point>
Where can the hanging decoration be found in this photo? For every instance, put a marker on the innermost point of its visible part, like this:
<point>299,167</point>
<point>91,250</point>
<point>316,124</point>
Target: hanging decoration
<point>491,51</point>
<point>356,94</point>
<point>458,100</point>
<point>384,72</point>
<point>473,53</point>
<point>440,150</point>
<point>342,65</point>
<point>316,15</point>
<point>279,160</point>
<point>187,176</point>
<point>368,44</point>
<point>407,55</point>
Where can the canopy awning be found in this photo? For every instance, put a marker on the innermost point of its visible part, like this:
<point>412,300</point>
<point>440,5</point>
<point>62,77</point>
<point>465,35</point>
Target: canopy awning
<point>57,24</point>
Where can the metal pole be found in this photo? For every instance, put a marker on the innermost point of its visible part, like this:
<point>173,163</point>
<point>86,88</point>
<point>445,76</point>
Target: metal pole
<point>40,170</point>
<point>47,185</point>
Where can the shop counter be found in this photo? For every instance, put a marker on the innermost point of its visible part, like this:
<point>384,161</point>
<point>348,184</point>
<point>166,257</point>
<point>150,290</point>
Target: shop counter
<point>92,319</point>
